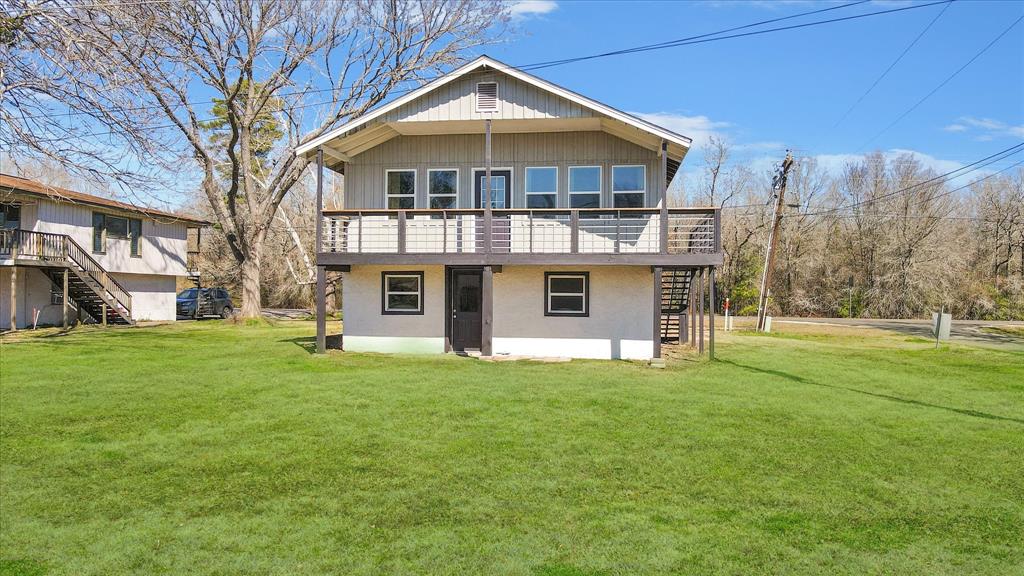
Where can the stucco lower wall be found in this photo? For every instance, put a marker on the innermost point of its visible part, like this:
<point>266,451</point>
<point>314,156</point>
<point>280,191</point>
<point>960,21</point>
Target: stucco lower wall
<point>153,295</point>
<point>367,329</point>
<point>619,324</point>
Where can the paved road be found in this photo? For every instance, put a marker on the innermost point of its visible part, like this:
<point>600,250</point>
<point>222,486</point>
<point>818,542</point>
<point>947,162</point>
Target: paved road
<point>965,331</point>
<point>287,313</point>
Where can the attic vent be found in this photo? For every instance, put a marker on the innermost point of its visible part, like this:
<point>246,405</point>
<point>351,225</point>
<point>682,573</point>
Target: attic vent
<point>487,97</point>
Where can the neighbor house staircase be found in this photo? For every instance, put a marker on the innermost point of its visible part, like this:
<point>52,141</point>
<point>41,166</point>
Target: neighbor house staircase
<point>91,289</point>
<point>675,299</point>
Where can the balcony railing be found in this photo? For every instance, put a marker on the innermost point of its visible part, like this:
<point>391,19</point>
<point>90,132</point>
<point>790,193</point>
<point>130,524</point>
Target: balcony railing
<point>46,247</point>
<point>521,231</point>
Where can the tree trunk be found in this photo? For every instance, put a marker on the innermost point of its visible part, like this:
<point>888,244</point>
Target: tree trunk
<point>252,305</point>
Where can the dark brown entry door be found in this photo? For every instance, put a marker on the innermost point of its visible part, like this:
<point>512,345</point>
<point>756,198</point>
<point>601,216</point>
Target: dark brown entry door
<point>467,320</point>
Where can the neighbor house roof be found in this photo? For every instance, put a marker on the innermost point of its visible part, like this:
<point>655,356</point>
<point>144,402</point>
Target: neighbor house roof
<point>10,184</point>
<point>678,143</point>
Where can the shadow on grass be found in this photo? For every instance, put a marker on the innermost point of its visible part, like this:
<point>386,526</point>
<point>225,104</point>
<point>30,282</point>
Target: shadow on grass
<point>802,380</point>
<point>308,343</point>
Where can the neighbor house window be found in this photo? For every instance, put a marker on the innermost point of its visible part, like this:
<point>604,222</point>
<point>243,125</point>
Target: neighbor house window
<point>10,216</point>
<point>629,186</point>
<point>443,188</point>
<point>566,293</point>
<point>105,227</point>
<point>135,233</point>
<point>584,186</point>
<point>402,292</point>
<point>542,187</point>
<point>401,189</point>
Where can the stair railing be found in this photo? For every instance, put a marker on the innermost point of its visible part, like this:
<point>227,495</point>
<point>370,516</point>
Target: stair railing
<point>80,258</point>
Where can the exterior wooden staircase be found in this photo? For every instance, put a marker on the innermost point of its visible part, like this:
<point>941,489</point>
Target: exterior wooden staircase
<point>90,288</point>
<point>675,300</point>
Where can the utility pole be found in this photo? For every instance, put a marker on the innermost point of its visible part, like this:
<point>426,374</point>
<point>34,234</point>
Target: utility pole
<point>773,238</point>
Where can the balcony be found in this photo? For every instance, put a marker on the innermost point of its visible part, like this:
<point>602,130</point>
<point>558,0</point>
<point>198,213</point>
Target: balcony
<point>636,236</point>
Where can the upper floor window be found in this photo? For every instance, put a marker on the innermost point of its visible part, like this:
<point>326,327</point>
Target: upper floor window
<point>629,186</point>
<point>10,216</point>
<point>443,188</point>
<point>542,187</point>
<point>584,186</point>
<point>401,189</point>
<point>487,97</point>
<point>106,226</point>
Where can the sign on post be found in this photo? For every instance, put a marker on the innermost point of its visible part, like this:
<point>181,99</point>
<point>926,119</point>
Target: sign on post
<point>941,322</point>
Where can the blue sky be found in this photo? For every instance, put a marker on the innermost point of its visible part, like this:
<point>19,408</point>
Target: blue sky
<point>788,89</point>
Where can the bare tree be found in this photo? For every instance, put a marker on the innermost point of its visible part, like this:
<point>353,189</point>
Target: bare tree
<point>119,90</point>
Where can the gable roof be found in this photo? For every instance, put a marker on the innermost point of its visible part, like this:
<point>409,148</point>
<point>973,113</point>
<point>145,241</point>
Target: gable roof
<point>10,184</point>
<point>680,142</point>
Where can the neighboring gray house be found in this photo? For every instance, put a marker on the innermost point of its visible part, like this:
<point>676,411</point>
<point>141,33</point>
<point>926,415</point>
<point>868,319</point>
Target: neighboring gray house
<point>568,249</point>
<point>115,262</point>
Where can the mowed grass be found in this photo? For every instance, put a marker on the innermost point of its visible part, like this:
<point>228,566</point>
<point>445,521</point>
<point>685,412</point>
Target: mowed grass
<point>209,448</point>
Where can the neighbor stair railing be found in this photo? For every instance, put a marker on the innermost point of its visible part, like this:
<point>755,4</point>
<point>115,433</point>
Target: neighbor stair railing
<point>45,246</point>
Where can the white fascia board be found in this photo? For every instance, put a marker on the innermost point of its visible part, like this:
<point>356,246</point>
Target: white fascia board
<point>332,134</point>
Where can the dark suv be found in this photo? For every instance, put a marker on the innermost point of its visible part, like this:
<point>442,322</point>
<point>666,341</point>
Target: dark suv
<point>199,303</point>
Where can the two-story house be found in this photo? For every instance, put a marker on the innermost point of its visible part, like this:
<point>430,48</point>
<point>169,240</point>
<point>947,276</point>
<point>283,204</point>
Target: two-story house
<point>492,211</point>
<point>65,255</point>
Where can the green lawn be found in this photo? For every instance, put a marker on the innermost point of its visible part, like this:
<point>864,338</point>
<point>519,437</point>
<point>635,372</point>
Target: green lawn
<point>217,449</point>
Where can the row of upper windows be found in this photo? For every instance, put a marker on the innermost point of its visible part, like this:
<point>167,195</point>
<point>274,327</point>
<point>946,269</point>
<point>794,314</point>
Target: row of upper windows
<point>629,187</point>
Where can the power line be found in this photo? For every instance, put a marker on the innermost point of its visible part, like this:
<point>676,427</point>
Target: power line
<point>699,39</point>
<point>702,40</point>
<point>966,169</point>
<point>891,66</point>
<point>671,43</point>
<point>943,83</point>
<point>1002,154</point>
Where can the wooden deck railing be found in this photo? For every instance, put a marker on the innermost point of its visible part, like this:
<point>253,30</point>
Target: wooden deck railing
<point>522,231</point>
<point>61,248</point>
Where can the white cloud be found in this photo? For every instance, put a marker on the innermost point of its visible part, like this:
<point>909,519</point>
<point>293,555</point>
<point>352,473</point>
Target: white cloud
<point>985,129</point>
<point>527,8</point>
<point>699,128</point>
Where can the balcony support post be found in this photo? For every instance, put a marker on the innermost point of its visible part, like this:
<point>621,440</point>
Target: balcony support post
<point>663,201</point>
<point>14,291</point>
<point>487,310</point>
<point>700,303</point>
<point>321,272</point>
<point>711,312</point>
<point>618,229</point>
<point>64,299</point>
<point>691,310</point>
<point>487,187</point>
<point>530,225</point>
<point>657,312</point>
<point>574,230</point>
<point>401,231</point>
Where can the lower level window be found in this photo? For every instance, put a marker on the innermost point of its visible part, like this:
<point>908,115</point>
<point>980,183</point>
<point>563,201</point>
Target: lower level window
<point>402,292</point>
<point>566,293</point>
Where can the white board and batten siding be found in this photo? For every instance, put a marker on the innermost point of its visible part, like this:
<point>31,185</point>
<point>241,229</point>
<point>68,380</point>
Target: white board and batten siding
<point>365,173</point>
<point>517,100</point>
<point>163,247</point>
